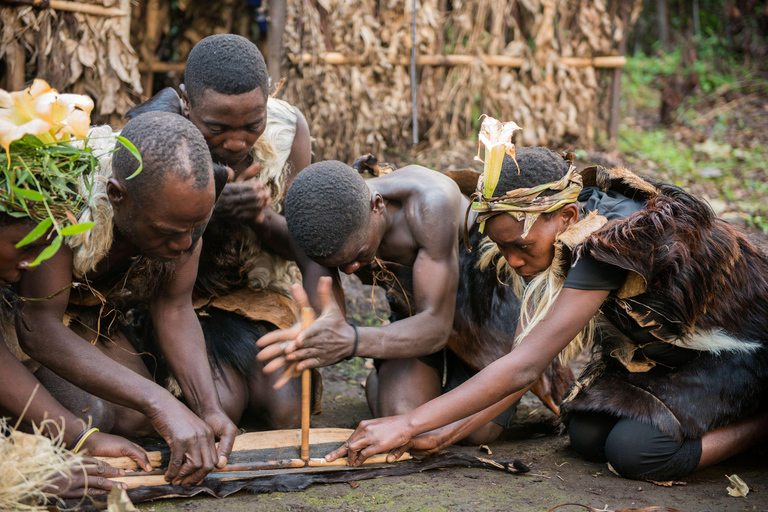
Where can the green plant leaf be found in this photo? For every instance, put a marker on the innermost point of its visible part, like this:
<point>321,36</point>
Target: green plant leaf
<point>48,251</point>
<point>76,229</point>
<point>135,152</point>
<point>31,195</point>
<point>41,229</point>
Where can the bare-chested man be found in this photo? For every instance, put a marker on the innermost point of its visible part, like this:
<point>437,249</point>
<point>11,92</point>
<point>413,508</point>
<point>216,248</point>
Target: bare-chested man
<point>142,253</point>
<point>406,227</point>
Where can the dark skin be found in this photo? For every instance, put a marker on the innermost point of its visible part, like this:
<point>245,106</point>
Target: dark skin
<point>23,393</point>
<point>416,220</point>
<point>231,125</point>
<point>165,227</point>
<point>440,422</point>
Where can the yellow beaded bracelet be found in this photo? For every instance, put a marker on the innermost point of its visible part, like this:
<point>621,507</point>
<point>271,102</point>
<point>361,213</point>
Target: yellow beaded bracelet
<point>83,437</point>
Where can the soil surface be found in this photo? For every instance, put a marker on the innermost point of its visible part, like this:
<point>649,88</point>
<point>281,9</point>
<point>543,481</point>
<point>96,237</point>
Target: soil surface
<point>558,475</point>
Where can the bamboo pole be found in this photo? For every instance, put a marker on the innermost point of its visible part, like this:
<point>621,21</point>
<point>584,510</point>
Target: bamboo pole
<point>96,10</point>
<point>307,315</point>
<point>337,58</point>
<point>163,67</point>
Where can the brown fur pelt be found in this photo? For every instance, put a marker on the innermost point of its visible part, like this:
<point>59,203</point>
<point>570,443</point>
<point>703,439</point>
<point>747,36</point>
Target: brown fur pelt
<point>226,259</point>
<point>107,304</point>
<point>705,287</point>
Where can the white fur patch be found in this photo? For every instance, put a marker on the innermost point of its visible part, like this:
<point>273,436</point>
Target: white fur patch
<point>716,340</point>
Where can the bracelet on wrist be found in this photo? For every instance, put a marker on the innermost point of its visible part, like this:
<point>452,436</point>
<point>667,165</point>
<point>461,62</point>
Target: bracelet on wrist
<point>354,347</point>
<point>81,438</point>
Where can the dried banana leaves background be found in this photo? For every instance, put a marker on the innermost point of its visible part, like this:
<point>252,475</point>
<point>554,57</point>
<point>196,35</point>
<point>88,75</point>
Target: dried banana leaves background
<point>75,52</point>
<point>356,109</point>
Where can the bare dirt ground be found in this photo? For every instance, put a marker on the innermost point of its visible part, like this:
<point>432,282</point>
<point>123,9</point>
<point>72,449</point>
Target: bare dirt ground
<point>557,476</point>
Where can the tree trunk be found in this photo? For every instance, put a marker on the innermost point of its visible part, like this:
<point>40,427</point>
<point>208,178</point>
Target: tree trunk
<point>663,21</point>
<point>275,38</point>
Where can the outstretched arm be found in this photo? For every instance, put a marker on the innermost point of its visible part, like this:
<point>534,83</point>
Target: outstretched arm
<point>23,394</point>
<point>510,374</point>
<point>46,339</point>
<point>181,340</point>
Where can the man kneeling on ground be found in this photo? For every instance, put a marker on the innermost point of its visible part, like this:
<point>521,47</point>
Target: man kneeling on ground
<point>142,253</point>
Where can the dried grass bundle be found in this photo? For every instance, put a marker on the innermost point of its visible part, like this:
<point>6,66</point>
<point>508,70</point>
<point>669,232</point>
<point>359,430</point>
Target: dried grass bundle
<point>356,109</point>
<point>27,463</point>
<point>75,52</point>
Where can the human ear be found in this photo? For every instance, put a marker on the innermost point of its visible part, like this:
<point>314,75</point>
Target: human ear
<point>117,194</point>
<point>184,101</point>
<point>377,203</point>
<point>569,214</point>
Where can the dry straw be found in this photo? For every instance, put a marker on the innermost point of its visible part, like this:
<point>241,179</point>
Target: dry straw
<point>28,462</point>
<point>74,52</point>
<point>362,108</point>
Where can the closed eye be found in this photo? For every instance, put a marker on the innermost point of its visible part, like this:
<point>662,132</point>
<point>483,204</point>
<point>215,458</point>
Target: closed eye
<point>254,127</point>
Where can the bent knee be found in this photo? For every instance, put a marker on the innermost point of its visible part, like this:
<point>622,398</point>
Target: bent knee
<point>488,433</point>
<point>640,451</point>
<point>285,415</point>
<point>130,423</point>
<point>588,433</point>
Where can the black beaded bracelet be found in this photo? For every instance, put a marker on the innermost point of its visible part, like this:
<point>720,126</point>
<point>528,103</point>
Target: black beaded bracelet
<point>357,340</point>
<point>78,438</point>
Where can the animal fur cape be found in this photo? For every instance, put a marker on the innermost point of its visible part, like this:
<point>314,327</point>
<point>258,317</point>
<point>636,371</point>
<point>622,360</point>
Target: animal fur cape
<point>694,281</point>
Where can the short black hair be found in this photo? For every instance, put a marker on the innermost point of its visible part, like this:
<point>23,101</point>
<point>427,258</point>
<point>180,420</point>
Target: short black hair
<point>327,203</point>
<point>538,165</point>
<point>227,63</point>
<point>168,144</point>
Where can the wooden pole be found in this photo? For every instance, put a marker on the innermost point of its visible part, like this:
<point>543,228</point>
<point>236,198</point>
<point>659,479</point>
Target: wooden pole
<point>275,32</point>
<point>17,62</point>
<point>337,58</point>
<point>144,479</point>
<point>615,105</point>
<point>307,315</point>
<point>414,116</point>
<point>96,10</point>
<point>148,48</point>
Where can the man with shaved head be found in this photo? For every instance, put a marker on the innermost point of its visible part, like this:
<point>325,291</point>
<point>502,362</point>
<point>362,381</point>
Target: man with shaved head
<point>141,255</point>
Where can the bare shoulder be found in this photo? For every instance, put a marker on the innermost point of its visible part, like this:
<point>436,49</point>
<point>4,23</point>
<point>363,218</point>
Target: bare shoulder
<point>426,184</point>
<point>432,205</point>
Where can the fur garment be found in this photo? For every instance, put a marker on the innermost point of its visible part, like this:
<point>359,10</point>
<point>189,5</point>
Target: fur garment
<point>695,282</point>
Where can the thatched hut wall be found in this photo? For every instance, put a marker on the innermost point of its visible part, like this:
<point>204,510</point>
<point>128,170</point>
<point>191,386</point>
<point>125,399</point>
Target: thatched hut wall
<point>364,104</point>
<point>360,108</point>
<point>74,52</point>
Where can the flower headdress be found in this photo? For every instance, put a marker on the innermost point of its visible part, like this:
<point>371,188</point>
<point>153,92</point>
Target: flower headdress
<point>524,204</point>
<point>40,170</point>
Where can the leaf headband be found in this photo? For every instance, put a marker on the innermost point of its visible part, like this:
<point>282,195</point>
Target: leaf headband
<point>524,204</point>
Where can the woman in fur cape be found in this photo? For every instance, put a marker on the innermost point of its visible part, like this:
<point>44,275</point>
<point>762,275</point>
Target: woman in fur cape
<point>679,376</point>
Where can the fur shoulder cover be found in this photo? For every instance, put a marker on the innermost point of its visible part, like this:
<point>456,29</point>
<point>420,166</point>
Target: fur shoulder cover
<point>695,282</point>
